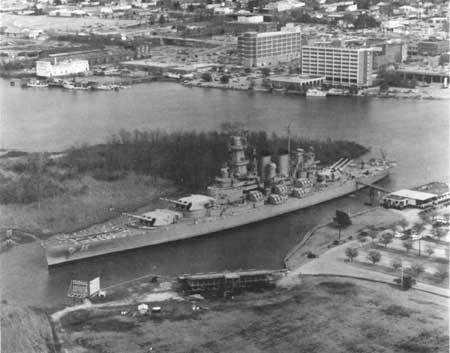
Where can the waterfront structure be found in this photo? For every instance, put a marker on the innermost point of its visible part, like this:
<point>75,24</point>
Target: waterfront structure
<point>93,56</point>
<point>227,281</point>
<point>300,83</point>
<point>270,48</point>
<point>424,74</point>
<point>421,197</point>
<point>346,67</point>
<point>47,69</point>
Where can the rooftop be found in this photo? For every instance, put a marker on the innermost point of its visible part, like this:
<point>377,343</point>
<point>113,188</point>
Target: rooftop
<point>295,78</point>
<point>413,194</point>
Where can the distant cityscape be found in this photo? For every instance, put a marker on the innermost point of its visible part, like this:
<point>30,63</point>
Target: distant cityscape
<point>288,44</point>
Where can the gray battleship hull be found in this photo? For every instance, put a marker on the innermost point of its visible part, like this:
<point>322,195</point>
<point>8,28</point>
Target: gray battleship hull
<point>127,239</point>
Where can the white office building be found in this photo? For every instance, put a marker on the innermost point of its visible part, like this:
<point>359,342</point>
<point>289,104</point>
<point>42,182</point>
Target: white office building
<point>342,67</point>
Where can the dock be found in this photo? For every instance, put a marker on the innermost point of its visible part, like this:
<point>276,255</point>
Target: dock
<point>228,281</point>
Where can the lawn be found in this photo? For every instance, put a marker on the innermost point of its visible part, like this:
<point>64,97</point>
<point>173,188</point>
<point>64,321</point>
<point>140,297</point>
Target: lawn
<point>319,315</point>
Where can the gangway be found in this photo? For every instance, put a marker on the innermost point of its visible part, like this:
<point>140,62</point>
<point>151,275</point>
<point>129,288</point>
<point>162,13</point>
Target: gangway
<point>379,188</point>
<point>372,189</point>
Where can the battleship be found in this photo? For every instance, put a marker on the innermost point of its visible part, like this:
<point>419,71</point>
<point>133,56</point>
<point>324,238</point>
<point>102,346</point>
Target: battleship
<point>245,192</point>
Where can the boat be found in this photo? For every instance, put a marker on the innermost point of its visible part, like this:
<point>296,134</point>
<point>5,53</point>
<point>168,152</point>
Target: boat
<point>75,86</point>
<point>55,83</point>
<point>314,92</point>
<point>36,83</point>
<point>245,192</point>
<point>100,87</point>
<point>337,92</point>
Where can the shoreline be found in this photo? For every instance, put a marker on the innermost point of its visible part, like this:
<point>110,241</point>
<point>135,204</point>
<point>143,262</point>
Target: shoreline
<point>420,93</point>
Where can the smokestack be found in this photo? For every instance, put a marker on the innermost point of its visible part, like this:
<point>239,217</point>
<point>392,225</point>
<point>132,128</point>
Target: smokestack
<point>283,164</point>
<point>263,163</point>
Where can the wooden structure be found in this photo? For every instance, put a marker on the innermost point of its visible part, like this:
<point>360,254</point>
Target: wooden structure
<point>226,281</point>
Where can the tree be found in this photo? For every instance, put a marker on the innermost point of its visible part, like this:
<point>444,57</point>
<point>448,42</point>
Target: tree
<point>386,238</point>
<point>416,269</point>
<point>252,84</point>
<point>225,79</point>
<point>446,217</point>
<point>374,256</point>
<point>342,220</point>
<point>408,245</point>
<point>396,263</point>
<point>441,273</point>
<point>162,20</point>
<point>439,232</point>
<point>403,223</point>
<point>418,228</point>
<point>206,76</point>
<point>351,253</point>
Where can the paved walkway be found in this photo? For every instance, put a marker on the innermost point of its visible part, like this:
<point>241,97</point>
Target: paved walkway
<point>332,263</point>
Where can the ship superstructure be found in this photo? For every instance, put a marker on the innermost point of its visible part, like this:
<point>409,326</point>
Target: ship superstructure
<point>245,192</point>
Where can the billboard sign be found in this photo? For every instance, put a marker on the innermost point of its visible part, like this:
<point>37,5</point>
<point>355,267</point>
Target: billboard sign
<point>78,289</point>
<point>94,286</point>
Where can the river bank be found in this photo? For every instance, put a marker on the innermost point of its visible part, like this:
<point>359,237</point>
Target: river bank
<point>96,202</point>
<point>432,91</point>
<point>324,314</point>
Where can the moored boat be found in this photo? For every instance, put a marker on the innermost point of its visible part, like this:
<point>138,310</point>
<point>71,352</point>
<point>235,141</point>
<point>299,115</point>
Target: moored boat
<point>314,92</point>
<point>37,83</point>
<point>243,194</point>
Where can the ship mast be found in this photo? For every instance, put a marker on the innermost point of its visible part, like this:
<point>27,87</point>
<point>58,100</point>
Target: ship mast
<point>288,129</point>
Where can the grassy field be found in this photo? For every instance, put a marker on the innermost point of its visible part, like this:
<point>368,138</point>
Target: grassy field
<point>72,211</point>
<point>25,330</point>
<point>323,237</point>
<point>320,315</point>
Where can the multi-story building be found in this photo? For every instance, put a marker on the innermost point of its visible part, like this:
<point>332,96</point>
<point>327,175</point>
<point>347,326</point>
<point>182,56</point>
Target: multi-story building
<point>269,48</point>
<point>63,68</point>
<point>387,52</point>
<point>346,67</point>
<point>433,47</point>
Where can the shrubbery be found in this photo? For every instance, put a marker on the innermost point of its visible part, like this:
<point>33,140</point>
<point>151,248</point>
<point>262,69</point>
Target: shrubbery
<point>190,159</point>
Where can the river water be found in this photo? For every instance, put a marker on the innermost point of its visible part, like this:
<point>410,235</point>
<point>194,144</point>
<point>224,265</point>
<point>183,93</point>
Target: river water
<point>415,133</point>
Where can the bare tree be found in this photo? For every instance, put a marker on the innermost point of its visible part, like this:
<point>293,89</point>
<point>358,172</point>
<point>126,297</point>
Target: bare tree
<point>417,269</point>
<point>440,232</point>
<point>441,273</point>
<point>396,263</point>
<point>408,245</point>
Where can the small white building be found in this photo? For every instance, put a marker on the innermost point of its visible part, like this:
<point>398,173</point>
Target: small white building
<point>47,69</point>
<point>284,5</point>
<point>250,19</point>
